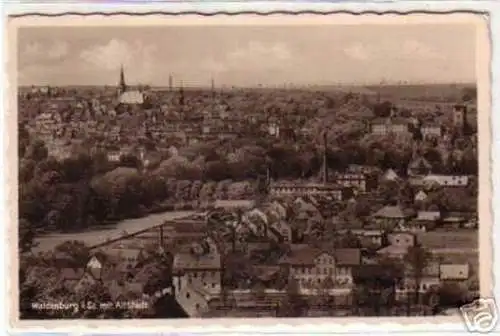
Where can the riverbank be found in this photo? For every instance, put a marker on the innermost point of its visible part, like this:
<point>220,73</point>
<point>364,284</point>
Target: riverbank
<point>112,231</point>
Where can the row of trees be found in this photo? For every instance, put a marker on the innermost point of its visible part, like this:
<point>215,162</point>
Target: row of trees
<point>40,281</point>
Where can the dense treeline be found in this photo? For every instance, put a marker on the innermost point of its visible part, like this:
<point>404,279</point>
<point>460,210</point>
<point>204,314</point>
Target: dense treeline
<point>84,190</point>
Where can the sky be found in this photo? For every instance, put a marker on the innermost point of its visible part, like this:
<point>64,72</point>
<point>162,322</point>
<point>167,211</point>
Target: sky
<point>247,55</point>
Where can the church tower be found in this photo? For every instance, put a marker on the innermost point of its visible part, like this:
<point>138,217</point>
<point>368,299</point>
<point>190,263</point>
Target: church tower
<point>122,87</point>
<point>460,116</point>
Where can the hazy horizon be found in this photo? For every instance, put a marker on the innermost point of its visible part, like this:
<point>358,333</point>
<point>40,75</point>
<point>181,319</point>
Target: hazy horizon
<point>303,86</point>
<point>248,56</point>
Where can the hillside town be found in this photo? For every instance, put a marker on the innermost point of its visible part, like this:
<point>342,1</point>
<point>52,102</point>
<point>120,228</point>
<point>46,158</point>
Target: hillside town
<point>299,202</point>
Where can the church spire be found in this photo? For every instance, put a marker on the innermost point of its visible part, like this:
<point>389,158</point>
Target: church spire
<point>123,86</point>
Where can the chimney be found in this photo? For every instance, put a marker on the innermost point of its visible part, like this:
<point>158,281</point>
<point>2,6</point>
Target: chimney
<point>170,83</point>
<point>268,176</point>
<point>325,167</point>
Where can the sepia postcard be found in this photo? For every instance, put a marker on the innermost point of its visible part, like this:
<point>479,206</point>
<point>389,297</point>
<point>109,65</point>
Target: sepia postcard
<point>296,169</point>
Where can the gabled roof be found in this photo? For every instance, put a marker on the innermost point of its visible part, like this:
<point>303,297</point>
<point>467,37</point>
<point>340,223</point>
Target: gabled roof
<point>420,163</point>
<point>421,195</point>
<point>454,271</point>
<point>390,175</point>
<point>428,215</point>
<point>302,256</point>
<point>306,255</point>
<point>348,256</point>
<point>393,250</point>
<point>191,261</point>
<point>72,273</point>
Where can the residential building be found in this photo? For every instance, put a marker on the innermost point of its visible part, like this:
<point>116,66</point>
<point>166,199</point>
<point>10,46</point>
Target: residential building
<point>357,181</point>
<point>425,220</point>
<point>201,264</point>
<point>454,272</point>
<point>392,218</point>
<point>128,258</point>
<point>420,196</point>
<point>430,279</point>
<point>385,126</point>
<point>451,181</point>
<point>281,230</point>
<point>419,167</point>
<point>284,188</point>
<point>313,267</point>
<point>390,175</point>
<point>86,281</point>
<point>431,130</point>
<point>398,245</point>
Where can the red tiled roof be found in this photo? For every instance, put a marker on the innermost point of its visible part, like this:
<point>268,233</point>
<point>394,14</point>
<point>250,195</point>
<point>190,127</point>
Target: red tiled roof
<point>305,255</point>
<point>391,212</point>
<point>72,274</point>
<point>190,261</point>
<point>348,256</point>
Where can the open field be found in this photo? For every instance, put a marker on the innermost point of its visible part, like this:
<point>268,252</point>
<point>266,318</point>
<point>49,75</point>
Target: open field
<point>450,240</point>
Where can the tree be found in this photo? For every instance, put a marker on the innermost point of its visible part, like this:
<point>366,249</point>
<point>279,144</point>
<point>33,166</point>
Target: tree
<point>26,236</point>
<point>452,295</point>
<point>350,240</point>
<point>130,161</point>
<point>383,109</point>
<point>37,151</point>
<point>417,258</point>
<point>293,304</point>
<point>469,94</point>
<point>75,249</point>
<point>376,284</point>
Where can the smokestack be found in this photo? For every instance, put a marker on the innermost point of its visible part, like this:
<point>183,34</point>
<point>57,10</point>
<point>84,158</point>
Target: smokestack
<point>181,94</point>
<point>325,167</point>
<point>170,83</point>
<point>213,87</point>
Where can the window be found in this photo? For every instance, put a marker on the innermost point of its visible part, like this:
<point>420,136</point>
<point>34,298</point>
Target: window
<point>197,306</point>
<point>213,285</point>
<point>188,295</point>
<point>424,286</point>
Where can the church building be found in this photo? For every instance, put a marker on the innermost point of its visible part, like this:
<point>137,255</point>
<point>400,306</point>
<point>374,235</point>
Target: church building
<point>127,96</point>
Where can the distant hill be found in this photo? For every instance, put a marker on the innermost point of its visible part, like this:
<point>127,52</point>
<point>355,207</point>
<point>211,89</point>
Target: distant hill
<point>429,92</point>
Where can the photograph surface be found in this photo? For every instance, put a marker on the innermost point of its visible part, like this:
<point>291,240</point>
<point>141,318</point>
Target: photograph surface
<point>237,170</point>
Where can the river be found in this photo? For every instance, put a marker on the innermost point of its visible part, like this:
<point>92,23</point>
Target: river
<point>96,236</point>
